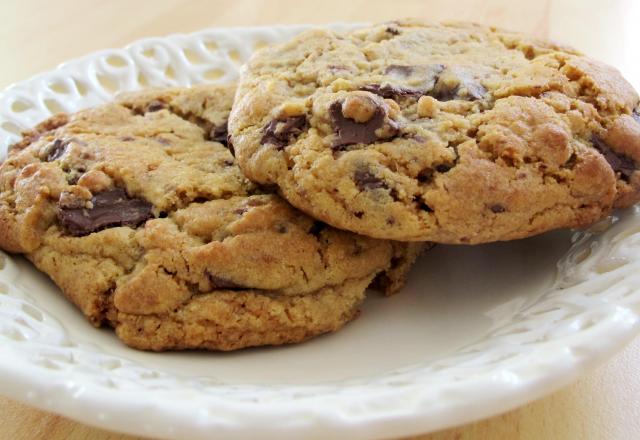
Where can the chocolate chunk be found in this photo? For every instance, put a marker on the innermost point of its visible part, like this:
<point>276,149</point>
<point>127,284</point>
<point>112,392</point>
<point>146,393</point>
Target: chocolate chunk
<point>443,168</point>
<point>218,282</point>
<point>55,150</point>
<point>350,132</point>
<point>466,87</point>
<point>473,92</point>
<point>619,162</point>
<point>392,92</point>
<point>280,132</point>
<point>399,70</point>
<point>218,133</point>
<point>443,94</point>
<point>127,138</point>
<point>497,208</point>
<point>110,209</point>
<point>392,30</point>
<point>155,106</point>
<point>365,180</point>
<point>425,176</point>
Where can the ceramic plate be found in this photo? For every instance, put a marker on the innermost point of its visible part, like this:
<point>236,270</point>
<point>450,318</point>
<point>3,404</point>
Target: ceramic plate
<point>477,330</point>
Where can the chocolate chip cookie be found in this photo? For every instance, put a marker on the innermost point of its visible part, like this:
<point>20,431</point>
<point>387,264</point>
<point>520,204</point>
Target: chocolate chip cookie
<point>138,211</point>
<point>455,133</point>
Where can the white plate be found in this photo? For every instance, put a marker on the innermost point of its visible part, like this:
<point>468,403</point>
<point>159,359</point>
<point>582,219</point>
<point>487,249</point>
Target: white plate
<point>477,330</point>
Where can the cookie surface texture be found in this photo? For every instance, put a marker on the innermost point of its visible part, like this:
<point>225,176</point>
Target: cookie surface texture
<point>455,133</point>
<point>138,211</point>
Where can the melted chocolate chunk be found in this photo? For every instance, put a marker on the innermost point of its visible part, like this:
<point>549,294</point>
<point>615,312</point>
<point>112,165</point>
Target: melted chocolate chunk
<point>474,91</point>
<point>281,132</point>
<point>350,132</point>
<point>443,168</point>
<point>155,106</point>
<point>467,88</point>
<point>425,176</point>
<point>110,209</point>
<point>222,283</point>
<point>218,133</point>
<point>365,180</point>
<point>392,30</point>
<point>392,92</point>
<point>55,150</point>
<point>497,208</point>
<point>619,162</point>
<point>398,70</point>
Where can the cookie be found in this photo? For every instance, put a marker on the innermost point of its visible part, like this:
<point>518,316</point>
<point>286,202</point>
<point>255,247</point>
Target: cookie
<point>138,211</point>
<point>454,133</point>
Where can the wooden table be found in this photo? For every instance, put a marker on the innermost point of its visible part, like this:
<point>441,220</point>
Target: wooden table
<point>37,35</point>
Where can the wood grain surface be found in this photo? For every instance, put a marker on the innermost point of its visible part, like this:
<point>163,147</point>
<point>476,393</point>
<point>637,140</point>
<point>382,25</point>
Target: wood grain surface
<point>37,35</point>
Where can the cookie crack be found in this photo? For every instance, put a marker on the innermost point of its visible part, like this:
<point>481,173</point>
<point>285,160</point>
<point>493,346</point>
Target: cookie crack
<point>554,207</point>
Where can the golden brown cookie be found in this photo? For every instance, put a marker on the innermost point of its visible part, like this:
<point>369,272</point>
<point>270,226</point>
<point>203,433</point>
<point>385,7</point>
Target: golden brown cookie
<point>455,133</point>
<point>138,211</point>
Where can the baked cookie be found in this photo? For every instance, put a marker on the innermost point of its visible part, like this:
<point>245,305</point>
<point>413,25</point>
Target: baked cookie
<point>142,217</point>
<point>455,133</point>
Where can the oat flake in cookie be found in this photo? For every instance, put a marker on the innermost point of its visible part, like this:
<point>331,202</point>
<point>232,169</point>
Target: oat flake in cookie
<point>142,217</point>
<point>454,133</point>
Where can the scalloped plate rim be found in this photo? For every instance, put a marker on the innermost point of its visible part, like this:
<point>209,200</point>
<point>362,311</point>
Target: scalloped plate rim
<point>400,425</point>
